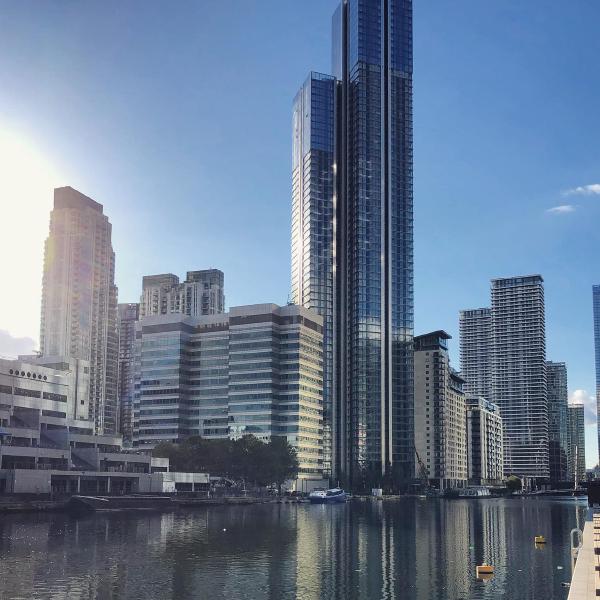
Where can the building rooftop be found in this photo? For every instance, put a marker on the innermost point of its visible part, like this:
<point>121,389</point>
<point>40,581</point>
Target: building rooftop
<point>68,197</point>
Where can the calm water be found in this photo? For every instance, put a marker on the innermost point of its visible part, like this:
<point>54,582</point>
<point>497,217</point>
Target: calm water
<point>408,549</point>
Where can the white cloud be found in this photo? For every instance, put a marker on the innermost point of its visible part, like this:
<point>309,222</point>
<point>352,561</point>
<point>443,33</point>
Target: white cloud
<point>584,190</point>
<point>561,210</point>
<point>11,347</point>
<point>588,401</point>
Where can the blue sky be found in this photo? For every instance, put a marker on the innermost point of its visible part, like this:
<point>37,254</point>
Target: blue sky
<point>177,118</point>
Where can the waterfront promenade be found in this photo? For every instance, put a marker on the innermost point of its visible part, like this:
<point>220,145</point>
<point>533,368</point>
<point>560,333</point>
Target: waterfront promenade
<point>585,584</point>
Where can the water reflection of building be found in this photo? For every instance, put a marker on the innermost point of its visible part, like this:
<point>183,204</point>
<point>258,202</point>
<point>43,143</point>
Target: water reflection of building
<point>487,534</point>
<point>442,549</point>
<point>402,550</point>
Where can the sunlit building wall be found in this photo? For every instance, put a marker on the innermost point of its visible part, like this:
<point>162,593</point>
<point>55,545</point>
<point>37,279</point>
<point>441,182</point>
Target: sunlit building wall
<point>440,425</point>
<point>79,298</point>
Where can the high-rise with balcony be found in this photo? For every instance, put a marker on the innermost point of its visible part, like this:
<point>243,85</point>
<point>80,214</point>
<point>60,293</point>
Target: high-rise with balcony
<point>596,305</point>
<point>352,238</point>
<point>202,293</point>
<point>440,423</point>
<point>476,351</point>
<point>558,400</point>
<point>79,298</point>
<point>519,379</point>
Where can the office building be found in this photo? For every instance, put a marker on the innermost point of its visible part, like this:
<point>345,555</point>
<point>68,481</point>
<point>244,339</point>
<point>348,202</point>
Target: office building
<point>202,293</point>
<point>475,351</point>
<point>352,238</point>
<point>576,440</point>
<point>519,383</point>
<point>484,442</point>
<point>128,315</point>
<point>255,370</point>
<point>79,298</point>
<point>558,399</point>
<point>596,306</point>
<point>440,425</point>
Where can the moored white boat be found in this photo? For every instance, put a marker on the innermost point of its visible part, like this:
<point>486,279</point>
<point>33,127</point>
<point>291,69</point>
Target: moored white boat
<point>332,496</point>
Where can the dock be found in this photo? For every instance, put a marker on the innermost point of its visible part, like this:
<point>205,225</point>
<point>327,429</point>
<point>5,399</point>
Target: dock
<point>585,583</point>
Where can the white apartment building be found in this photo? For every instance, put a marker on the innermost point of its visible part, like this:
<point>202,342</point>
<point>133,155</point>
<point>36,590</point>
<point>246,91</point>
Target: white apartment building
<point>202,293</point>
<point>484,442</point>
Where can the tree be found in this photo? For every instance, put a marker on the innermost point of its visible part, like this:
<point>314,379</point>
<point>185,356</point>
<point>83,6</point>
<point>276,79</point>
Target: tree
<point>281,461</point>
<point>513,484</point>
<point>246,458</point>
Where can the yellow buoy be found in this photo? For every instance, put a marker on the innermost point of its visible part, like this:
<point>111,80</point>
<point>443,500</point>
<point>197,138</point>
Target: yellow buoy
<point>540,539</point>
<point>484,571</point>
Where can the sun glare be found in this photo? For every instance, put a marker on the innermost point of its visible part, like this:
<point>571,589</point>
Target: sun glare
<point>27,179</point>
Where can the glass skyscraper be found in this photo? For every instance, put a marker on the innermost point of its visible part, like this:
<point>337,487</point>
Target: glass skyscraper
<point>596,299</point>
<point>558,402</point>
<point>352,237</point>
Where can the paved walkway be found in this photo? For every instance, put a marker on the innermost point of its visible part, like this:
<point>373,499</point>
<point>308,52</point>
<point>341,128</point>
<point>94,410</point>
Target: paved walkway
<point>585,584</point>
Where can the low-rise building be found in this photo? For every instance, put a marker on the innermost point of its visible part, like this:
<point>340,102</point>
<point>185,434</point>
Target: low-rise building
<point>46,446</point>
<point>484,442</point>
<point>440,424</point>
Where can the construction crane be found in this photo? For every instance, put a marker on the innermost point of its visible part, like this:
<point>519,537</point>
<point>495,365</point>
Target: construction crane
<point>423,473</point>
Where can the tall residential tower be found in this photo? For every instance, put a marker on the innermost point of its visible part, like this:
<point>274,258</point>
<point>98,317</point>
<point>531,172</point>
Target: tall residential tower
<point>352,237</point>
<point>576,435</point>
<point>128,317</point>
<point>558,400</point>
<point>476,351</point>
<point>519,384</point>
<point>79,298</point>
<point>596,302</point>
<point>202,293</point>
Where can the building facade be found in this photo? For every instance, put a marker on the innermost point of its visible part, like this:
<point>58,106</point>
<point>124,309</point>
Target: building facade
<point>352,238</point>
<point>312,222</point>
<point>48,446</point>
<point>558,400</point>
<point>485,452</point>
<point>128,315</point>
<point>255,370</point>
<point>202,293</point>
<point>476,351</point>
<point>440,425</point>
<point>79,298</point>
<point>519,379</point>
<point>576,435</point>
<point>596,307</point>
